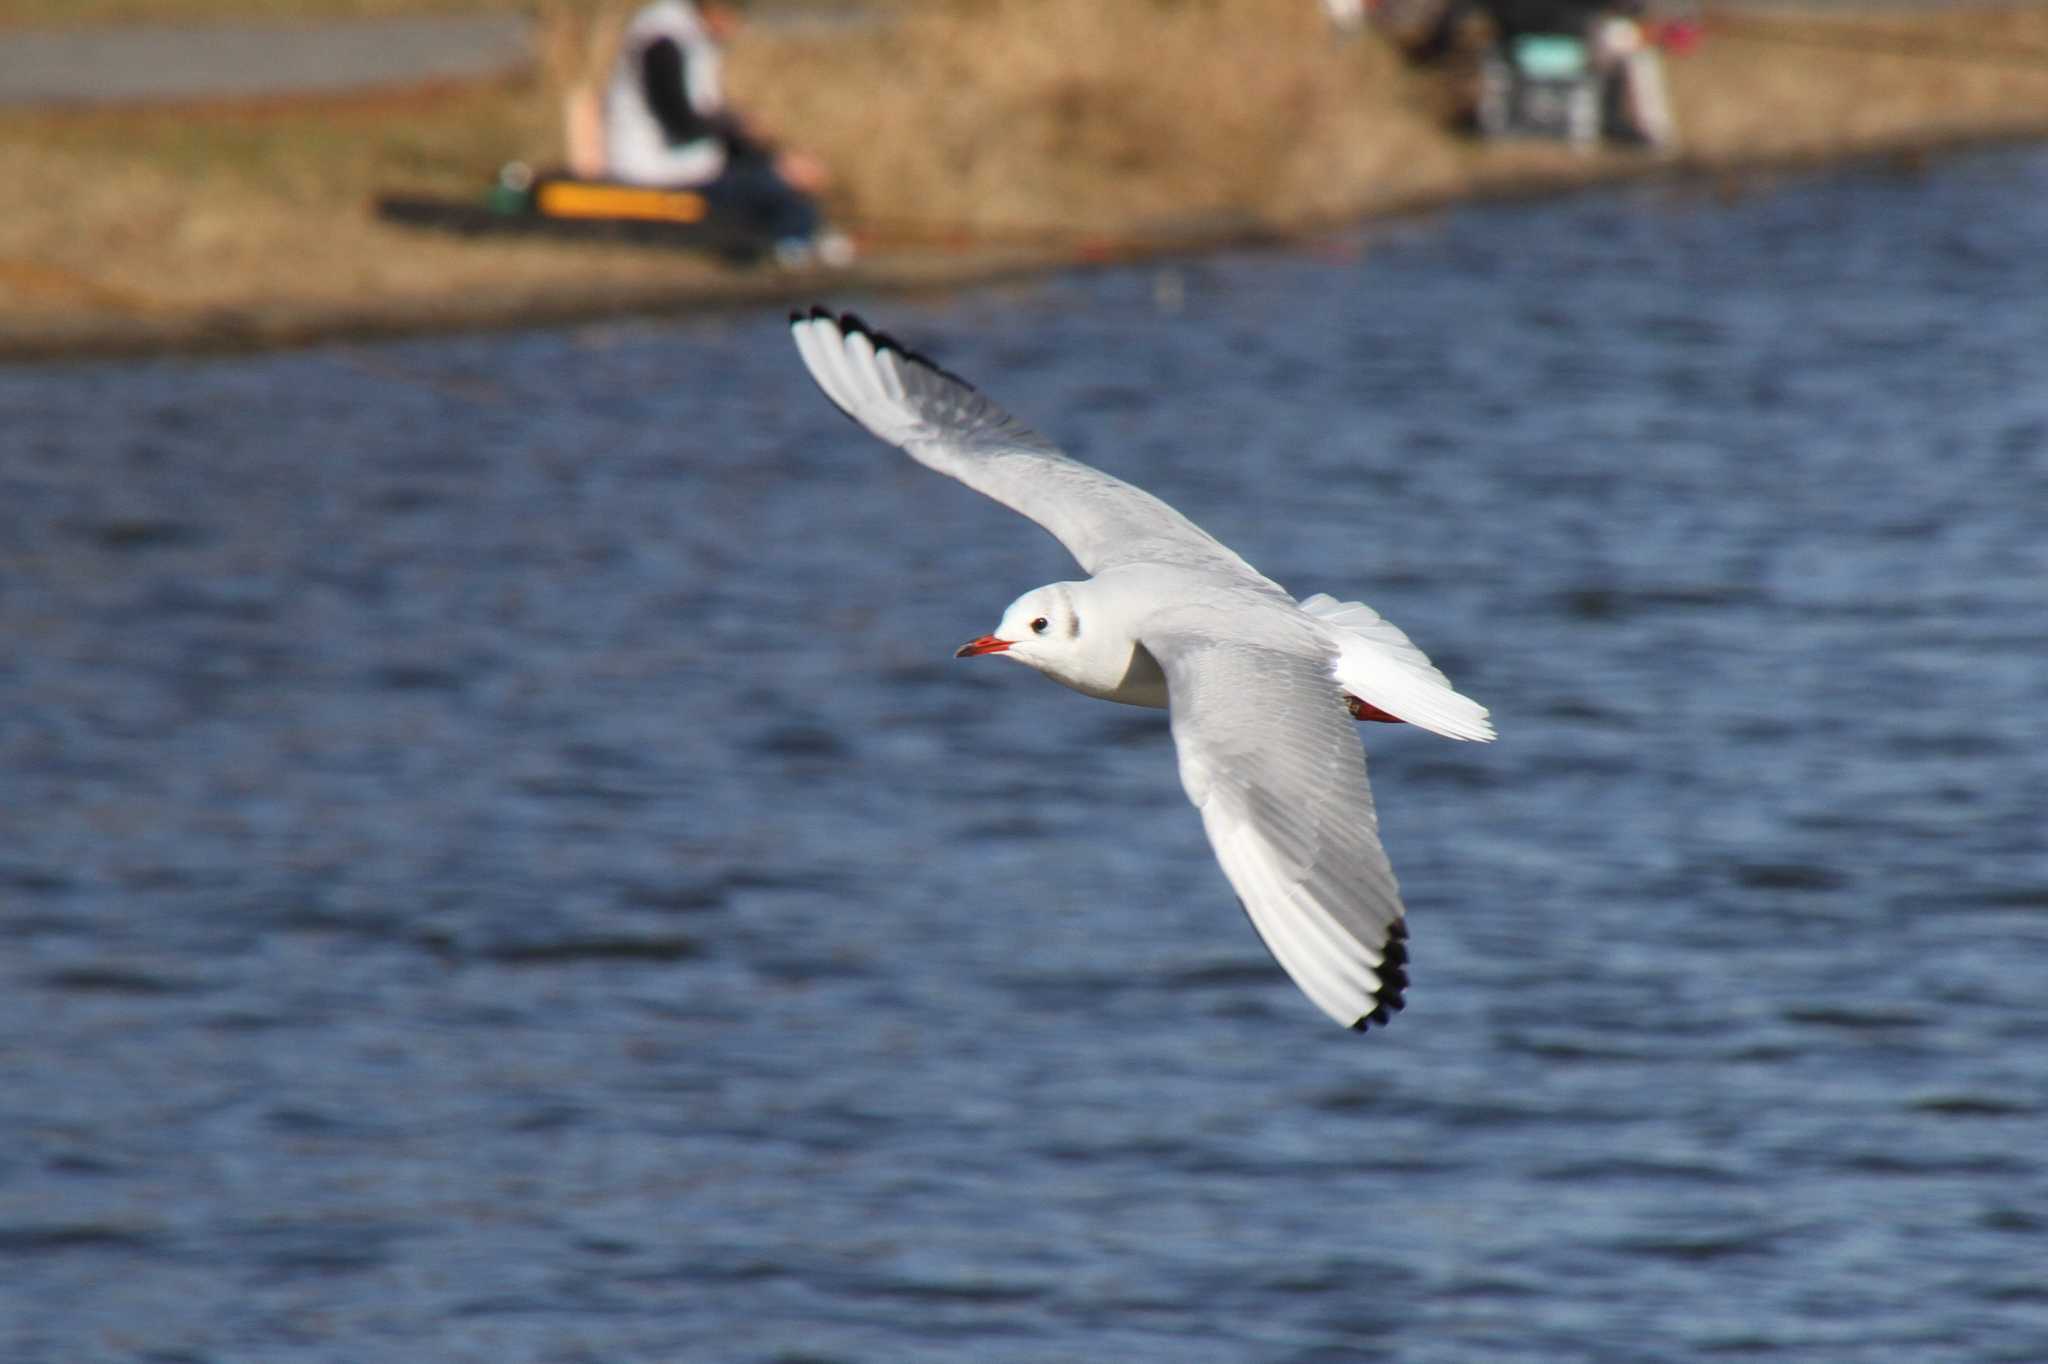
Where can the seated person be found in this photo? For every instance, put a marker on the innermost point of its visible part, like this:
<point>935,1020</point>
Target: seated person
<point>666,125</point>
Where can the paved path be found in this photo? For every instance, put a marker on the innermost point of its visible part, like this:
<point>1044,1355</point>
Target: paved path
<point>162,62</point>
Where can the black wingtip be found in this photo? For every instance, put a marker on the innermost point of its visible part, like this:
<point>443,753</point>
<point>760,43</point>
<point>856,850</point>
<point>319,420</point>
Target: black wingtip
<point>1393,969</point>
<point>879,339</point>
<point>1393,974</point>
<point>851,324</point>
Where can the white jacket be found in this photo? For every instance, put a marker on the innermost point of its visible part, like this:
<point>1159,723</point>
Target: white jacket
<point>637,147</point>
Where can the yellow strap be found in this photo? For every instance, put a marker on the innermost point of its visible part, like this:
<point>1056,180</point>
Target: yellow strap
<point>568,199</point>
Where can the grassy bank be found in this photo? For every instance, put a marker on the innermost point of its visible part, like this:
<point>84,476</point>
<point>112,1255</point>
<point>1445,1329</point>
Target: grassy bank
<point>967,138</point>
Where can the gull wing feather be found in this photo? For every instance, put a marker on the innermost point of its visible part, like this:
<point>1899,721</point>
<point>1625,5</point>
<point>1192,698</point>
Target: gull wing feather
<point>944,423</point>
<point>1274,764</point>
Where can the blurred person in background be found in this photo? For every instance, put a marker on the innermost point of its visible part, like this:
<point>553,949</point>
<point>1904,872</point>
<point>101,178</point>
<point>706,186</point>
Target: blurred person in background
<point>1616,49</point>
<point>664,123</point>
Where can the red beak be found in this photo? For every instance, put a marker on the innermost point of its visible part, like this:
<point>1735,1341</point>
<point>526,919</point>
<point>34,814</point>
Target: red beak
<point>987,644</point>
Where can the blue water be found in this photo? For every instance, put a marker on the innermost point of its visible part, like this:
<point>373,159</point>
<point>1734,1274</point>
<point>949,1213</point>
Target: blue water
<point>500,864</point>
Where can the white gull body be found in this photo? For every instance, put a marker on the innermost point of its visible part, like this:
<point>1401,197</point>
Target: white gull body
<point>1260,687</point>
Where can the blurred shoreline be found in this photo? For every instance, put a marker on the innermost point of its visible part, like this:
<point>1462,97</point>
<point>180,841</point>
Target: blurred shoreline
<point>241,224</point>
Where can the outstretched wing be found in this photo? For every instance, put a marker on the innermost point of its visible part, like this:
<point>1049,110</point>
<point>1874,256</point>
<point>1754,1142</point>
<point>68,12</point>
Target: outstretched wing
<point>942,422</point>
<point>1269,757</point>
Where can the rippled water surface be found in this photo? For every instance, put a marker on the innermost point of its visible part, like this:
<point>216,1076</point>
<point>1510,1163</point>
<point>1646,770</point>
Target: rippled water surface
<point>499,862</point>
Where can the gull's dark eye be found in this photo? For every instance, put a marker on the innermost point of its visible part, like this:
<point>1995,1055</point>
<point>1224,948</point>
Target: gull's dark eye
<point>1038,627</point>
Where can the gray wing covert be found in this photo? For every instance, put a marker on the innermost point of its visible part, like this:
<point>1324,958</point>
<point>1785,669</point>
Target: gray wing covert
<point>946,424</point>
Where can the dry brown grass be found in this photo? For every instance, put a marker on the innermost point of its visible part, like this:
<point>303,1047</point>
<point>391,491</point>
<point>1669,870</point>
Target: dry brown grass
<point>1055,113</point>
<point>1770,86</point>
<point>1038,121</point>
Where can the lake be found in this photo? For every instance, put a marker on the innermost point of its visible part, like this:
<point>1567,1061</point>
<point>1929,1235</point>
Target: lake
<point>499,862</point>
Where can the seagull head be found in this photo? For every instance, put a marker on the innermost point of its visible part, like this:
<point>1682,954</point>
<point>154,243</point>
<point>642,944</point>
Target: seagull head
<point>1069,635</point>
<point>1041,628</point>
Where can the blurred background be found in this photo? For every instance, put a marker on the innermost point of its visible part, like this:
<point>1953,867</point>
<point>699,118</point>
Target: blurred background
<point>498,861</point>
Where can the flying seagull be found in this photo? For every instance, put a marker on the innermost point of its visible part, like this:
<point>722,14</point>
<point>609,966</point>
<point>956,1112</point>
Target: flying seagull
<point>1260,689</point>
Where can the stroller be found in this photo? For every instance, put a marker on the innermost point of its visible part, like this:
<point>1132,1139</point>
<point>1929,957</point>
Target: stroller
<point>1540,85</point>
<point>1576,70</point>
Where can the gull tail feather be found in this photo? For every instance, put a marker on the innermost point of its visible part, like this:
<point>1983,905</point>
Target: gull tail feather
<point>1378,663</point>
